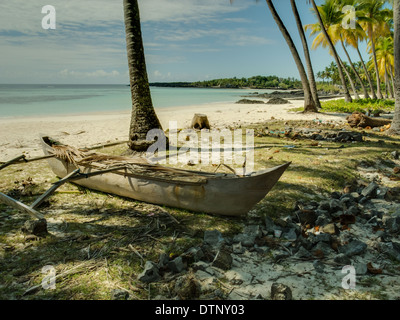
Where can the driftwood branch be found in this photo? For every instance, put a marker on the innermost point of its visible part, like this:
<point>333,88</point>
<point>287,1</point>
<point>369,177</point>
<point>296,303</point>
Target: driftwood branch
<point>358,119</point>
<point>13,161</point>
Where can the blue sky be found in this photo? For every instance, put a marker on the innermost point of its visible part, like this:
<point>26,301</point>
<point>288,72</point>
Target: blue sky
<point>185,40</point>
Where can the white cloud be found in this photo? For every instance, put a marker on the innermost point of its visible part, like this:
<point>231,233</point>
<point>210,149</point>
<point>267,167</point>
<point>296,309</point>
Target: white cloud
<point>159,76</point>
<point>187,11</point>
<point>89,40</point>
<point>26,17</point>
<point>93,74</point>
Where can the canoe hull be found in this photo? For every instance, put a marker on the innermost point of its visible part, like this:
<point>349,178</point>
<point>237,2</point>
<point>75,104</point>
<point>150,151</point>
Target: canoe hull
<point>233,196</point>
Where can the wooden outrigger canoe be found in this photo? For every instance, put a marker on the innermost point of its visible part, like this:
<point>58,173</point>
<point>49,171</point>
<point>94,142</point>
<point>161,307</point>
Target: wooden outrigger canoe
<point>213,193</point>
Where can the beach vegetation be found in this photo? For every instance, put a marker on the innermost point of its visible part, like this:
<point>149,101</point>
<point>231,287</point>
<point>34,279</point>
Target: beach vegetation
<point>255,82</point>
<point>372,106</point>
<point>375,25</point>
<point>327,17</point>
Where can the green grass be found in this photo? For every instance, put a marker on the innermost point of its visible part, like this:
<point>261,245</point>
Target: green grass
<point>361,105</point>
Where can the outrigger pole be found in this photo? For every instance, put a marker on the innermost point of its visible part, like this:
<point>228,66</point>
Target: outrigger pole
<point>75,175</point>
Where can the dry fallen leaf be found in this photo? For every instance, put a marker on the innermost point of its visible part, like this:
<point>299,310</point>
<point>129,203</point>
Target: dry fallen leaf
<point>373,270</point>
<point>335,246</point>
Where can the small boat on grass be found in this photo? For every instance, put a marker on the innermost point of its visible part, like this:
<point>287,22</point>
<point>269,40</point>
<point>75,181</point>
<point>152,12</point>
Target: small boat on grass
<point>212,193</point>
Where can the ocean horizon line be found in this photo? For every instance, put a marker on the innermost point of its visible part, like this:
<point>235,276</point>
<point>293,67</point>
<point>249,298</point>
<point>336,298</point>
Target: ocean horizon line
<point>57,99</point>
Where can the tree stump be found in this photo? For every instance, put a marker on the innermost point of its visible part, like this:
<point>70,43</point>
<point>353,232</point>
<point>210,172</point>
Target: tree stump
<point>200,121</point>
<point>358,119</point>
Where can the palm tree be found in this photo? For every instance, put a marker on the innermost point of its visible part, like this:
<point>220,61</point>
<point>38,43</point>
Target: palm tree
<point>143,117</point>
<point>395,129</point>
<point>385,59</point>
<point>367,74</point>
<point>351,36</point>
<point>375,15</point>
<point>309,103</point>
<point>328,10</point>
<point>350,78</point>
<point>311,76</point>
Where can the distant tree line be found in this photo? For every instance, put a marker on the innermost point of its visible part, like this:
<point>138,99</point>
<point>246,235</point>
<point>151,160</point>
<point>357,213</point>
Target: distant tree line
<point>257,82</point>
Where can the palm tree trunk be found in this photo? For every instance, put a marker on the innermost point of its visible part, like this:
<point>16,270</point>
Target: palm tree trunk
<point>378,80</point>
<point>390,87</point>
<point>395,129</point>
<point>309,104</point>
<point>353,87</point>
<point>367,74</point>
<point>392,79</point>
<point>335,55</point>
<point>311,77</point>
<point>366,95</point>
<point>143,117</point>
<point>386,83</point>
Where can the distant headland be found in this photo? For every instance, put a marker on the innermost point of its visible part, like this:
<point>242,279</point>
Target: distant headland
<point>257,82</point>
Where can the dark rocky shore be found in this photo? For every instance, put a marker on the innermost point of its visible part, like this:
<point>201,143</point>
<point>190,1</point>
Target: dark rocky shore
<point>291,95</point>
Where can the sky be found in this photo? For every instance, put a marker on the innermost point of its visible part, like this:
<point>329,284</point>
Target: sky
<point>184,40</point>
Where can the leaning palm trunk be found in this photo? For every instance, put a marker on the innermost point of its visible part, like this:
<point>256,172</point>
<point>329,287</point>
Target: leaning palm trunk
<point>367,75</point>
<point>392,79</point>
<point>311,77</point>
<point>378,80</point>
<point>333,50</point>
<point>309,104</point>
<point>353,86</point>
<point>143,117</point>
<point>366,95</point>
<point>395,129</point>
<point>389,85</point>
<point>386,82</point>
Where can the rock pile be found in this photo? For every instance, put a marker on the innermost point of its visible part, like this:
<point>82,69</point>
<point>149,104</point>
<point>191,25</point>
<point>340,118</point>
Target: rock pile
<point>326,135</point>
<point>278,100</point>
<point>248,101</point>
<point>358,227</point>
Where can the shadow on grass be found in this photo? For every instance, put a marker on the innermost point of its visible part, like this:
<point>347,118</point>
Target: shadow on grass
<point>106,236</point>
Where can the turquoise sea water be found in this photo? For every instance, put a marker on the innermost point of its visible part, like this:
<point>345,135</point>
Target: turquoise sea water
<point>39,100</point>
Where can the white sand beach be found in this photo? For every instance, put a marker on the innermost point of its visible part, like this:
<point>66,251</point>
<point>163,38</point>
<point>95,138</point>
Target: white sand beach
<point>21,134</point>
